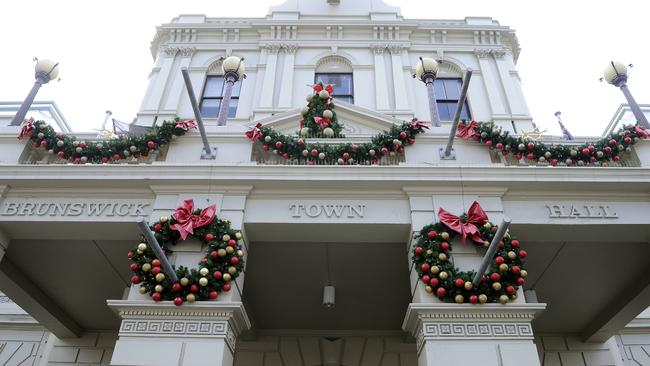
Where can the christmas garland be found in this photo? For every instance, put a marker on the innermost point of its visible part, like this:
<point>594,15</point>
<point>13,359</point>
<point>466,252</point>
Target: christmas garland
<point>221,265</point>
<point>606,149</point>
<point>319,117</point>
<point>102,151</point>
<point>435,267</point>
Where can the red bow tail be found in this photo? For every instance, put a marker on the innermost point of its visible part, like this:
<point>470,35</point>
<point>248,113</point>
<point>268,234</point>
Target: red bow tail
<point>641,132</point>
<point>416,125</point>
<point>467,131</point>
<point>475,218</point>
<point>255,132</point>
<point>26,129</point>
<point>187,221</point>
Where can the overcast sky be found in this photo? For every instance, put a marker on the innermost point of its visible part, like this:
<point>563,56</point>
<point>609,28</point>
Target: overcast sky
<point>103,49</point>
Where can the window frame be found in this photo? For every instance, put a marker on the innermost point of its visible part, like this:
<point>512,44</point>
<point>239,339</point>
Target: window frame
<point>454,101</point>
<point>351,96</point>
<point>219,97</point>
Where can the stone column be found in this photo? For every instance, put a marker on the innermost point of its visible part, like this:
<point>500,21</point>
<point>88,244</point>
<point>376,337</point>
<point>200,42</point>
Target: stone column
<point>381,84</point>
<point>514,95</point>
<point>490,81</point>
<point>177,88</point>
<point>401,98</point>
<point>286,89</point>
<point>268,87</point>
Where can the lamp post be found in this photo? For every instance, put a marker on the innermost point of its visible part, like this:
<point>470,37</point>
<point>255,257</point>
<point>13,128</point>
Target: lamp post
<point>616,74</point>
<point>233,70</point>
<point>45,71</point>
<point>426,70</point>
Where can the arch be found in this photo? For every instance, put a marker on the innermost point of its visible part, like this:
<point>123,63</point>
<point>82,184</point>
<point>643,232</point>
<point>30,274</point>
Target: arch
<point>215,68</point>
<point>451,67</point>
<point>348,58</point>
<point>333,63</point>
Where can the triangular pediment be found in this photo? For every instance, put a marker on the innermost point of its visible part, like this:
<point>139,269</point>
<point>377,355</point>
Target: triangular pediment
<point>357,121</point>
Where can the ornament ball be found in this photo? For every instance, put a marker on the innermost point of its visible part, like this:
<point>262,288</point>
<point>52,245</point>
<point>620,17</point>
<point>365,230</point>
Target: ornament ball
<point>482,298</point>
<point>459,299</point>
<point>184,281</point>
<point>443,275</point>
<point>142,290</point>
<point>204,271</point>
<point>203,281</point>
<point>227,277</point>
<point>190,298</point>
<point>160,277</point>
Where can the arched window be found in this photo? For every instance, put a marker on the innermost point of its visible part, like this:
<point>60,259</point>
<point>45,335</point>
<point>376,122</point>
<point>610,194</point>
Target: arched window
<point>213,93</point>
<point>337,71</point>
<point>447,89</point>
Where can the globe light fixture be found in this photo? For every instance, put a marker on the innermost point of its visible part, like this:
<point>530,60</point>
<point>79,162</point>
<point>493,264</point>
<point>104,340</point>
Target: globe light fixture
<point>44,72</point>
<point>426,71</point>
<point>233,70</point>
<point>616,74</point>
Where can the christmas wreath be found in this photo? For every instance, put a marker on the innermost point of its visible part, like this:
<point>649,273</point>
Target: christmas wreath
<point>435,266</point>
<point>320,120</point>
<point>103,151</point>
<point>221,265</point>
<point>609,148</point>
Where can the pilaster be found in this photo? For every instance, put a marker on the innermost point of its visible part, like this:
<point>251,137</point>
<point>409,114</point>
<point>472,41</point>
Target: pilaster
<point>401,101</point>
<point>381,84</point>
<point>266,97</point>
<point>158,85</point>
<point>178,86</point>
<point>286,89</point>
<point>490,81</point>
<point>514,95</point>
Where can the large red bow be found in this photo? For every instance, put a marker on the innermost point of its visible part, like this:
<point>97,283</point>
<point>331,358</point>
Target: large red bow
<point>475,217</point>
<point>186,125</point>
<point>187,221</point>
<point>255,132</point>
<point>467,131</point>
<point>28,126</point>
<point>322,122</point>
<point>329,89</point>
<point>416,125</point>
<point>641,132</point>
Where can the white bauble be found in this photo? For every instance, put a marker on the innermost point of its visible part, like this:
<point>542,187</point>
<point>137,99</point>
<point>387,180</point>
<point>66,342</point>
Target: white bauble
<point>133,148</point>
<point>78,149</point>
<point>328,132</point>
<point>83,160</point>
<point>321,156</point>
<point>304,111</point>
<point>304,131</point>
<point>328,114</point>
<point>324,94</point>
<point>60,143</point>
<point>309,97</point>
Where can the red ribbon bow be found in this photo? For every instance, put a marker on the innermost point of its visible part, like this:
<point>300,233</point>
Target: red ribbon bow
<point>186,125</point>
<point>322,122</point>
<point>475,217</point>
<point>187,221</point>
<point>28,126</point>
<point>641,132</point>
<point>329,89</point>
<point>416,125</point>
<point>318,87</point>
<point>255,132</point>
<point>467,131</point>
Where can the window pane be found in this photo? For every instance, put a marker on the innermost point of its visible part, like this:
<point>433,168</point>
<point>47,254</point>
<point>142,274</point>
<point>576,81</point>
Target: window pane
<point>464,115</point>
<point>213,87</point>
<point>232,111</point>
<point>342,83</point>
<point>210,108</point>
<point>452,87</point>
<point>345,98</point>
<point>237,88</point>
<point>439,89</point>
<point>443,111</point>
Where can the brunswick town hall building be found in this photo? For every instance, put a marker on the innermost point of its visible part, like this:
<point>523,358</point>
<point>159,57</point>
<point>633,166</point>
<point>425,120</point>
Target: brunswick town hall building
<point>293,248</point>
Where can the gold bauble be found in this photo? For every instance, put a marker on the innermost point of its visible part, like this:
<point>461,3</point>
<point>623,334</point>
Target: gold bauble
<point>443,275</point>
<point>482,298</point>
<point>428,289</point>
<point>226,237</point>
<point>204,271</point>
<point>513,296</point>
<point>226,277</point>
<point>142,247</point>
<point>185,281</point>
<point>160,277</point>
<point>221,252</point>
<point>238,235</point>
<point>240,253</point>
<point>429,252</point>
<point>512,255</point>
<point>159,288</point>
<point>459,299</point>
<point>496,286</point>
<point>142,290</point>
<point>164,219</point>
<point>230,249</point>
<point>203,281</point>
<point>442,256</point>
<point>486,243</point>
<point>435,269</point>
<point>523,273</point>
<point>503,267</point>
<point>504,299</point>
<point>146,267</point>
<point>232,270</point>
<point>444,235</point>
<point>140,251</point>
<point>468,285</point>
<point>487,225</point>
<point>190,298</point>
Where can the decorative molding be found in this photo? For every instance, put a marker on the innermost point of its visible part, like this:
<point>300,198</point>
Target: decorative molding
<point>272,47</point>
<point>378,49</point>
<point>290,47</point>
<point>342,64</point>
<point>216,67</point>
<point>499,53</point>
<point>170,51</point>
<point>395,49</point>
<point>187,51</point>
<point>482,52</point>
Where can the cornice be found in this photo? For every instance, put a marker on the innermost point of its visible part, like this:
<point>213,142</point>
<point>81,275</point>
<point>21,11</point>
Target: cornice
<point>187,189</point>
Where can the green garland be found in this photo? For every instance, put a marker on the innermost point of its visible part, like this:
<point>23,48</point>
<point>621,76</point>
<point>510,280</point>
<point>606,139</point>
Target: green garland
<point>221,265</point>
<point>609,148</point>
<point>103,151</point>
<point>319,117</point>
<point>435,267</point>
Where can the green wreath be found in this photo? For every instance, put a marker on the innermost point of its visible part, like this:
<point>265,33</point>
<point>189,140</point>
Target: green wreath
<point>222,264</point>
<point>435,267</point>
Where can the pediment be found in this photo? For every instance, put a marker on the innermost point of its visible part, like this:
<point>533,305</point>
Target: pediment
<point>357,121</point>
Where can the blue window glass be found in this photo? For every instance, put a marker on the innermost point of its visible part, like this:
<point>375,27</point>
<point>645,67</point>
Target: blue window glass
<point>342,84</point>
<point>447,93</point>
<point>213,94</point>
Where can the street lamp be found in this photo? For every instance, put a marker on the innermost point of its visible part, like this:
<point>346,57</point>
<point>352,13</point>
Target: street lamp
<point>45,71</point>
<point>616,74</point>
<point>233,70</point>
<point>426,70</point>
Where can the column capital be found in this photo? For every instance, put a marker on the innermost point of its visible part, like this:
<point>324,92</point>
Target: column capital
<point>500,53</point>
<point>272,47</point>
<point>170,51</point>
<point>378,49</point>
<point>290,47</point>
<point>187,51</point>
<point>482,52</point>
<point>395,49</point>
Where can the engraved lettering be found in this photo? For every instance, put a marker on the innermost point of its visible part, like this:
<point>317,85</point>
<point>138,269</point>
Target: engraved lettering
<point>139,209</point>
<point>314,210</point>
<point>591,212</point>
<point>609,212</point>
<point>111,211</point>
<point>75,209</point>
<point>120,209</point>
<point>358,210</point>
<point>583,211</point>
<point>11,208</point>
<point>296,210</point>
<point>555,211</point>
<point>95,209</point>
<point>330,210</point>
<point>27,209</point>
<point>575,212</point>
<point>40,211</point>
<point>60,209</point>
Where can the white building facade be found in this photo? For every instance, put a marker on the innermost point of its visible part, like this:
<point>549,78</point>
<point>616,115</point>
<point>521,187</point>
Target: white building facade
<point>65,229</point>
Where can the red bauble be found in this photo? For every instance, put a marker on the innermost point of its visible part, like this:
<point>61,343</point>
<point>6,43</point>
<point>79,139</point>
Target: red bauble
<point>209,237</point>
<point>516,270</point>
<point>226,287</point>
<point>627,140</point>
<point>157,227</point>
<point>441,292</point>
<point>425,267</point>
<point>265,147</point>
<point>134,267</point>
<point>514,243</point>
<point>608,150</point>
<point>178,301</point>
<point>314,152</point>
<point>499,146</point>
<point>586,151</point>
<point>194,288</point>
<point>300,142</point>
<point>473,299</point>
<point>217,275</point>
<point>285,155</point>
<point>554,162</point>
<point>426,279</point>
<point>617,158</point>
<point>518,156</point>
<point>523,254</point>
<point>234,261</point>
<point>82,144</point>
<point>511,290</point>
<point>155,296</point>
<point>530,156</point>
<point>204,260</point>
<point>176,287</point>
<point>488,143</point>
<point>419,250</point>
<point>499,260</point>
<point>432,234</point>
<point>612,142</point>
<point>402,135</point>
<point>151,144</point>
<point>384,150</point>
<point>155,263</point>
<point>232,242</point>
<point>531,146</point>
<point>495,277</point>
<point>278,145</point>
<point>116,157</point>
<point>104,159</point>
<point>135,279</point>
<point>214,254</point>
<point>400,150</point>
<point>130,255</point>
<point>155,270</point>
<point>434,282</point>
<point>43,143</point>
<point>501,245</point>
<point>61,154</point>
<point>520,281</point>
<point>411,141</point>
<point>213,295</point>
<point>346,156</point>
<point>444,245</point>
<point>459,282</point>
<point>592,159</point>
<point>591,148</point>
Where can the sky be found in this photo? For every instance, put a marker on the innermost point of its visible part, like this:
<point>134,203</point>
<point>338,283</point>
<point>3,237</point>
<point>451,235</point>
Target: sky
<point>104,56</point>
